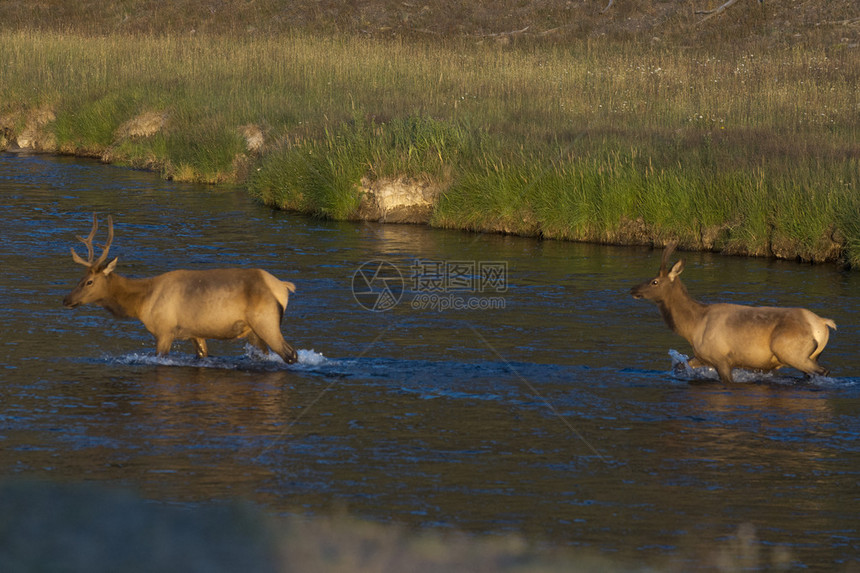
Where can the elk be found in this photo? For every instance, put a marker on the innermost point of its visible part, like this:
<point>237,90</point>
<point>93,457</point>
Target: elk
<point>222,304</point>
<point>728,336</point>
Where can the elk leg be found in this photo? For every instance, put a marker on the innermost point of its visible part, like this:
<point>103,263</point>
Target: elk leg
<point>258,342</point>
<point>200,347</point>
<point>269,331</point>
<point>808,366</point>
<point>725,372</point>
<point>798,354</point>
<point>163,344</point>
<point>283,349</point>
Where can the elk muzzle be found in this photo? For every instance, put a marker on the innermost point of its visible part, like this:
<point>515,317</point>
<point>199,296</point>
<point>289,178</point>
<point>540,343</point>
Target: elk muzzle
<point>71,301</point>
<point>638,292</point>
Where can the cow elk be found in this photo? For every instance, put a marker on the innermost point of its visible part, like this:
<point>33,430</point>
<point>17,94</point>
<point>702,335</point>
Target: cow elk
<point>728,336</point>
<point>221,304</point>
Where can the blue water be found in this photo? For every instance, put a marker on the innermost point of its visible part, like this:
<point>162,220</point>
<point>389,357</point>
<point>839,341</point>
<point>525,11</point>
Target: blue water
<point>530,394</point>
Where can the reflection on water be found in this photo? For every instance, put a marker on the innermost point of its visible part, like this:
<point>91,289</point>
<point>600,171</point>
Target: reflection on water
<point>556,416</point>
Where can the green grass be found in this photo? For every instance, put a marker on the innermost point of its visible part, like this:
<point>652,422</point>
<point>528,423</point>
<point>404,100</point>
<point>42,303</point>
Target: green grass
<point>605,140</point>
<point>322,175</point>
<point>787,212</point>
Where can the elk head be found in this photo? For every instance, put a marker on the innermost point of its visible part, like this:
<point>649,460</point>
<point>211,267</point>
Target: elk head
<point>659,288</point>
<point>93,286</point>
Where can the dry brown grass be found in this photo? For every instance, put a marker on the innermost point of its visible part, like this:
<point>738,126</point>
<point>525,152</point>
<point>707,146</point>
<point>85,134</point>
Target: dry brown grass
<point>832,22</point>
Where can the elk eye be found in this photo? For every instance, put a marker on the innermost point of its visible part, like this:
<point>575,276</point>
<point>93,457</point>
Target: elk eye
<point>90,282</point>
<point>655,282</point>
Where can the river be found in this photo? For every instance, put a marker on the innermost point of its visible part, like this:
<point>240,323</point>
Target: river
<point>448,380</point>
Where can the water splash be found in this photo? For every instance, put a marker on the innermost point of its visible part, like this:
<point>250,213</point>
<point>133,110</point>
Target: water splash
<point>312,358</point>
<point>681,369</point>
<point>306,358</point>
<point>252,359</point>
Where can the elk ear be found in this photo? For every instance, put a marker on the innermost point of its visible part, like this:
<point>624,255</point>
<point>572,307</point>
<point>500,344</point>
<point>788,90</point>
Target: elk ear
<point>110,267</point>
<point>676,270</point>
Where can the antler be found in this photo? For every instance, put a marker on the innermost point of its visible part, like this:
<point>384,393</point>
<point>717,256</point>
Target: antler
<point>89,243</point>
<point>106,248</point>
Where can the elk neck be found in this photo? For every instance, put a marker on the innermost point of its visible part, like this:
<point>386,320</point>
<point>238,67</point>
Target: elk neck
<point>126,296</point>
<point>680,311</point>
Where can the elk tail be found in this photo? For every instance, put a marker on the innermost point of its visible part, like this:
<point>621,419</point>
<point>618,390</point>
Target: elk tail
<point>821,335</point>
<point>282,302</point>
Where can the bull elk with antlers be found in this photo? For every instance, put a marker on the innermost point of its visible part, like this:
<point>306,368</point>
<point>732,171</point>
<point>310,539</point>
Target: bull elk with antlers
<point>220,304</point>
<point>728,336</point>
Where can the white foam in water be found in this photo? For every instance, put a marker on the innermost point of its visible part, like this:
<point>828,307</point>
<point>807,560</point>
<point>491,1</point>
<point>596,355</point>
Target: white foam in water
<point>311,358</point>
<point>136,358</point>
<point>176,359</point>
<point>681,369</point>
<point>306,358</point>
<point>255,353</point>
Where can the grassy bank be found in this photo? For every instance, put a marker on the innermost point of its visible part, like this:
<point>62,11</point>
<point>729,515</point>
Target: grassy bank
<point>726,147</point>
